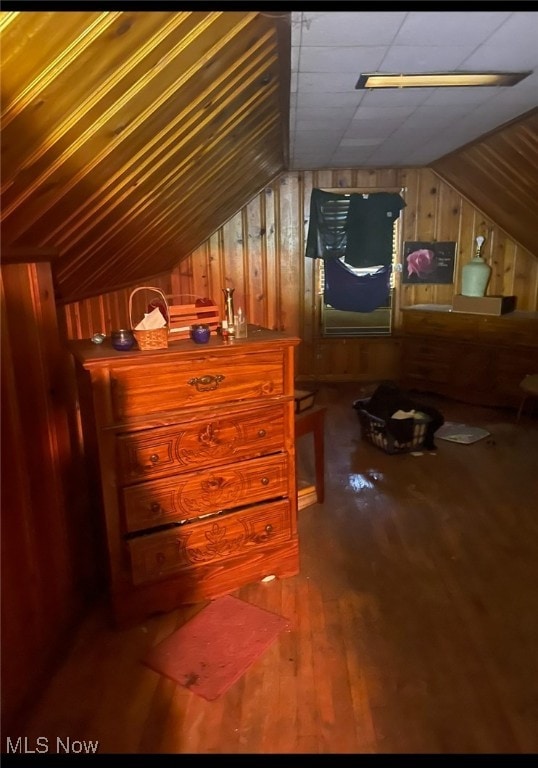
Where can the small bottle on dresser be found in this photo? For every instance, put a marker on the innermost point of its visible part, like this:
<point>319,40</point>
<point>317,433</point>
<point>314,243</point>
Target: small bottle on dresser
<point>240,325</point>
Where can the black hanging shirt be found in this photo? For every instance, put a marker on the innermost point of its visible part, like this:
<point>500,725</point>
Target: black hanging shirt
<point>358,227</point>
<point>369,228</point>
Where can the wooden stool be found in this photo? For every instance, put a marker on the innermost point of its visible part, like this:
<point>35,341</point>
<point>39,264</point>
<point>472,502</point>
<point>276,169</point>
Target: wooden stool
<point>313,420</point>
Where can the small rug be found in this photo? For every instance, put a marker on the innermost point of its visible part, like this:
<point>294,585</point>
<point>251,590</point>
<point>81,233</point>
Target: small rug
<point>461,433</point>
<point>215,648</point>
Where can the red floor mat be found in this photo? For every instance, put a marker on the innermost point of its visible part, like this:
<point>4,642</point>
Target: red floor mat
<point>216,647</point>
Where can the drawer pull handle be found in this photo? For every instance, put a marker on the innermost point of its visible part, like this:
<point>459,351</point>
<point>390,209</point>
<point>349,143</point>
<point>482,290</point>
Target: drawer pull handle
<point>265,481</point>
<point>155,507</point>
<point>206,383</point>
<point>154,458</point>
<point>262,433</point>
<point>268,529</point>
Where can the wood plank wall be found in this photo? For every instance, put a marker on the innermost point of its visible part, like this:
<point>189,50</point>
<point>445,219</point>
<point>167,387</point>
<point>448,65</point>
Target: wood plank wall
<point>47,558</point>
<point>260,253</point>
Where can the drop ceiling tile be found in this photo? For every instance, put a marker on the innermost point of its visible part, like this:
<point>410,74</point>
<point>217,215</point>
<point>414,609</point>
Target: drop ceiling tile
<point>341,59</point>
<point>427,152</point>
<point>363,128</point>
<point>372,142</point>
<point>294,60</point>
<point>334,125</point>
<point>429,116</point>
<point>501,57</point>
<point>420,124</point>
<point>418,58</point>
<point>353,28</point>
<point>320,81</point>
<point>326,113</point>
<point>311,163</point>
<point>332,100</point>
<point>392,158</point>
<point>453,96</point>
<point>438,28</point>
<point>516,27</point>
<point>458,134</point>
<point>296,20</point>
<point>489,116</point>
<point>392,145</point>
<point>525,93</point>
<point>425,156</point>
<point>349,157</point>
<point>312,140</point>
<point>374,111</point>
<point>396,97</point>
<point>294,82</point>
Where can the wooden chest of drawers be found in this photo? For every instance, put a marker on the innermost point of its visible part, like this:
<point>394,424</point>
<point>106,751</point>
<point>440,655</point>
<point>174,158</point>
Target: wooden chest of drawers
<point>195,458</point>
<point>474,358</point>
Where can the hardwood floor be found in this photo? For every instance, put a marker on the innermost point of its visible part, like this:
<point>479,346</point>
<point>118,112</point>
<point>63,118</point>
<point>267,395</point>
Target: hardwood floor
<point>414,617</point>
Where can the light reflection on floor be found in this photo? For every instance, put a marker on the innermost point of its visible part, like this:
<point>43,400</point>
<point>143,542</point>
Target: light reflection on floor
<point>360,482</point>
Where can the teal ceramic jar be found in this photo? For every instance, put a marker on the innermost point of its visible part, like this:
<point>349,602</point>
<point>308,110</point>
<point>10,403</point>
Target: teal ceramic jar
<point>475,275</point>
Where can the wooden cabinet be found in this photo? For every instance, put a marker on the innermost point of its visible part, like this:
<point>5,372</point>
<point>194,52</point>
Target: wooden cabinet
<point>475,358</point>
<point>196,461</point>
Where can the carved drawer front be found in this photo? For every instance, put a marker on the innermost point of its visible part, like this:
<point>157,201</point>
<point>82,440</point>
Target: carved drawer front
<point>220,537</point>
<point>207,442</point>
<point>202,380</point>
<point>190,495</point>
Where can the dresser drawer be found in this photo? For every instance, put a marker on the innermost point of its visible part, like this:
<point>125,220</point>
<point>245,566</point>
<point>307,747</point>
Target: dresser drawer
<point>503,330</point>
<point>207,442</point>
<point>427,373</point>
<point>418,351</point>
<point>440,324</point>
<point>424,361</point>
<point>201,381</point>
<point>192,494</point>
<point>158,555</point>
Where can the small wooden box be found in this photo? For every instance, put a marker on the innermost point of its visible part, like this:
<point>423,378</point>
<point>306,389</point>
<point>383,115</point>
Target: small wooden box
<point>484,305</point>
<point>182,316</point>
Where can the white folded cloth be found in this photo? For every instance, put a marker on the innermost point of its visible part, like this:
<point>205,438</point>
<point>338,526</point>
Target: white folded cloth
<point>151,321</point>
<point>403,414</point>
<point>417,415</point>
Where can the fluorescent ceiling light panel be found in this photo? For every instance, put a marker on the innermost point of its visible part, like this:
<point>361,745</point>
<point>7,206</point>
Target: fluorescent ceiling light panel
<point>439,79</point>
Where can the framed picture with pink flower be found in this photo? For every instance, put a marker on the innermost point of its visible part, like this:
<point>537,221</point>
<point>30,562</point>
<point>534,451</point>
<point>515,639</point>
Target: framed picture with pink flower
<point>428,262</point>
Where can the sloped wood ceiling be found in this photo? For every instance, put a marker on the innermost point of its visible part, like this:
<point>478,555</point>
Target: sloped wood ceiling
<point>128,138</point>
<point>499,173</point>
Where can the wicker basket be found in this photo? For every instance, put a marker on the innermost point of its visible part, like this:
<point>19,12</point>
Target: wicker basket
<point>375,431</point>
<point>155,338</point>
